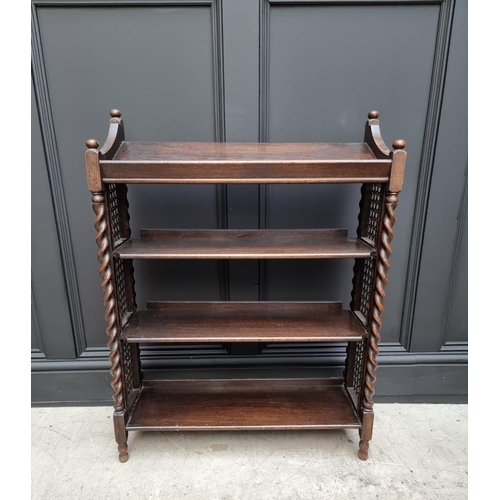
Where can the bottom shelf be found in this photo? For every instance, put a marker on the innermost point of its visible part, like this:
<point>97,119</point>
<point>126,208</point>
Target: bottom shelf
<point>249,404</point>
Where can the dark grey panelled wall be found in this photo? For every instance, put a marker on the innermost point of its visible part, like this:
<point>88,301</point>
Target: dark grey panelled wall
<point>248,71</point>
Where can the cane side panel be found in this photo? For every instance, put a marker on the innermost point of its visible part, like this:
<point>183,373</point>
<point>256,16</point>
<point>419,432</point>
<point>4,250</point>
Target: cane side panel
<point>369,227</point>
<point>116,196</point>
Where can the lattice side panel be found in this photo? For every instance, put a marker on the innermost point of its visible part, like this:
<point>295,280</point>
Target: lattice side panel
<point>369,229</point>
<point>354,371</point>
<point>121,288</point>
<point>119,228</point>
<point>128,372</point>
<point>358,372</point>
<point>118,221</point>
<point>367,287</point>
<point>114,212</point>
<point>374,209</point>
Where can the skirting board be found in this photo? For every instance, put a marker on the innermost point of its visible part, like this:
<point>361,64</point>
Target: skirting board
<point>425,383</point>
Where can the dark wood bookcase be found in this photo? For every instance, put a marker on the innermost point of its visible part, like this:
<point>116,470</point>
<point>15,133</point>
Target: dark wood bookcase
<point>236,404</point>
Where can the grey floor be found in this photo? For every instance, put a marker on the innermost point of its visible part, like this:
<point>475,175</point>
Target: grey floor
<point>418,451</point>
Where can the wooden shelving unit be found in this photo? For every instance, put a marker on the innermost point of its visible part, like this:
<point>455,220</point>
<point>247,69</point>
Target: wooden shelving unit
<point>328,403</point>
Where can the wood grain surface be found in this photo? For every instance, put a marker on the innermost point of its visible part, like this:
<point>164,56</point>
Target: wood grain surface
<point>273,404</point>
<point>240,163</point>
<point>244,244</point>
<point>243,322</point>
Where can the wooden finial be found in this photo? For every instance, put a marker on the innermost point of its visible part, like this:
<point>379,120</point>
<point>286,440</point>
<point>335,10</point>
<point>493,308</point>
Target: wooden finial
<point>373,115</point>
<point>399,144</point>
<point>92,143</point>
<point>115,113</point>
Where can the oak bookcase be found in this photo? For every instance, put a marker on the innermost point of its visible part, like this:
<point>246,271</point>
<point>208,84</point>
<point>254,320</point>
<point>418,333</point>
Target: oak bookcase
<point>235,404</point>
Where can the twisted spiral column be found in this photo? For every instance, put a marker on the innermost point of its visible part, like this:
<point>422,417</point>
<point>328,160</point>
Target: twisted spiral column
<point>109,300</point>
<point>391,201</point>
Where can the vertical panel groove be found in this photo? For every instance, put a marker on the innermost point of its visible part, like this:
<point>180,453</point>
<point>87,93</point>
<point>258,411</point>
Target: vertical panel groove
<point>462,218</point>
<point>220,132</point>
<point>218,65</point>
<point>426,167</point>
<point>61,217</point>
<point>36,321</point>
<point>264,32</point>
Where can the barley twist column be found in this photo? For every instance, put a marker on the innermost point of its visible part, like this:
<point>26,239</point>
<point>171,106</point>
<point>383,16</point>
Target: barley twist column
<point>390,203</point>
<point>109,301</point>
<point>96,186</point>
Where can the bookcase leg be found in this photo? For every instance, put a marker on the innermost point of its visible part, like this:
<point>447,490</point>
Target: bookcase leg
<point>363,449</point>
<point>365,434</point>
<point>121,436</point>
<point>377,309</point>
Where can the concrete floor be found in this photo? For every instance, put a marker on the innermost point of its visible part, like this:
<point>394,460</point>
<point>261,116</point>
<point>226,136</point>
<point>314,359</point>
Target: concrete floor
<point>417,452</point>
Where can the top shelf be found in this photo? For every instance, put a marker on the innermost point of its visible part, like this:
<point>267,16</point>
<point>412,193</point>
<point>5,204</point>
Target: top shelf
<point>124,162</point>
<point>243,163</point>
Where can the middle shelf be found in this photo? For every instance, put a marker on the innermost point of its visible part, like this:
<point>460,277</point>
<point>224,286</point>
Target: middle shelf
<point>244,244</point>
<point>243,322</point>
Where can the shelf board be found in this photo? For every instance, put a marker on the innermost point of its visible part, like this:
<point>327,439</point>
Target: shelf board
<point>243,322</point>
<point>244,163</point>
<point>244,244</point>
<point>250,404</point>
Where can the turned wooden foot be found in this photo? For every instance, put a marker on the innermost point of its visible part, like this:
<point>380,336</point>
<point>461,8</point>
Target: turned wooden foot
<point>121,436</point>
<point>365,434</point>
<point>363,449</point>
<point>123,452</point>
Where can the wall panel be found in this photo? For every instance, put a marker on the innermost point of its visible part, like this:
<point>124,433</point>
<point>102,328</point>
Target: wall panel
<point>251,70</point>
